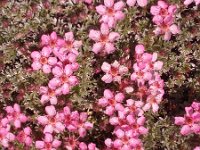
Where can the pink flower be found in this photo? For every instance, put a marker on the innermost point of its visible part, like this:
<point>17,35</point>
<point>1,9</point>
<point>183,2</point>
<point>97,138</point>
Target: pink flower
<point>113,72</point>
<point>24,136</point>
<point>111,12</point>
<point>43,60</point>
<point>134,107</point>
<point>152,101</point>
<point>190,122</point>
<point>51,121</point>
<point>71,143</point>
<point>141,3</point>
<point>167,30</point>
<point>164,15</point>
<point>63,79</point>
<point>75,122</point>
<point>15,116</point>
<point>49,94</point>
<point>104,40</point>
<point>111,101</point>
<point>6,137</point>
<point>50,40</point>
<point>70,45</point>
<point>49,143</point>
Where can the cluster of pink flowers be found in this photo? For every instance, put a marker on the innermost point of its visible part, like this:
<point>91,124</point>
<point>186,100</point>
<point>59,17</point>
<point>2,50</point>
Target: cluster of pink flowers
<point>127,116</point>
<point>191,121</point>
<point>14,118</point>
<point>150,85</point>
<point>58,57</point>
<point>163,17</point>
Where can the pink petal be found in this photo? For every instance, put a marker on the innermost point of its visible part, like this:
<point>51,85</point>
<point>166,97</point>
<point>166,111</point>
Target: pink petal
<point>185,130</point>
<point>188,2</point>
<point>56,143</point>
<point>109,3</point>
<point>106,67</point>
<point>155,10</point>
<point>179,120</point>
<point>119,5</point>
<point>39,144</point>
<point>142,3</point>
<point>36,65</point>
<point>119,15</point>
<point>54,36</point>
<point>174,29</point>
<point>162,4</point>
<point>97,47</point>
<point>50,110</point>
<point>119,97</point>
<point>104,29</point>
<point>103,102</point>
<point>52,60</point>
<point>42,120</point>
<point>139,49</point>
<point>108,94</point>
<point>69,36</point>
<point>35,55</point>
<point>109,48</point>
<point>131,2</point>
<point>94,35</point>
<point>46,68</point>
<point>113,36</point>
<point>108,142</point>
<point>101,9</point>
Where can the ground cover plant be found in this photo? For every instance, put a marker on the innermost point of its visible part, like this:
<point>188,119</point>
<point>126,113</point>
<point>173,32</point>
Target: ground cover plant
<point>100,74</point>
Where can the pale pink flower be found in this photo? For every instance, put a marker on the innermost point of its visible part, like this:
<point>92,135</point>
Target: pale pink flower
<point>6,137</point>
<point>167,31</point>
<point>114,72</point>
<point>190,122</point>
<point>71,143</point>
<point>163,13</point>
<point>51,121</point>
<point>24,136</point>
<point>112,102</point>
<point>111,12</point>
<point>70,45</point>
<point>50,40</point>
<point>104,40</point>
<point>49,143</point>
<point>152,101</point>
<point>63,80</point>
<point>49,94</point>
<point>43,60</point>
<point>15,116</point>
